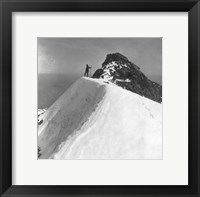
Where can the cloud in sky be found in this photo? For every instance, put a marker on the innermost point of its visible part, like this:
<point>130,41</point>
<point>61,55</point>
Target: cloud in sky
<point>70,55</point>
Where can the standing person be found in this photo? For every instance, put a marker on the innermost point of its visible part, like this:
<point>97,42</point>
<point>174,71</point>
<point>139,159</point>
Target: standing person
<point>87,69</point>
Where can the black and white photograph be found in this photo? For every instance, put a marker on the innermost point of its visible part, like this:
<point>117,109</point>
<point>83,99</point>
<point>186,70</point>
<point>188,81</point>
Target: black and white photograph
<point>99,98</point>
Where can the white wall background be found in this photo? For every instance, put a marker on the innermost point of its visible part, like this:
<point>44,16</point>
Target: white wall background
<point>173,169</point>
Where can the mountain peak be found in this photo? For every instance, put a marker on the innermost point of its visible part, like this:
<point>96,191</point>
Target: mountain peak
<point>119,59</point>
<point>119,70</point>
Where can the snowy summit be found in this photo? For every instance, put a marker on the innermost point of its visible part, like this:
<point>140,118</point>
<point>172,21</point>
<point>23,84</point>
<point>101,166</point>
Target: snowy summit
<point>97,119</point>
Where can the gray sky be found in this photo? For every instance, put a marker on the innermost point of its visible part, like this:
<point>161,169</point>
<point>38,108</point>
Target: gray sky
<point>70,55</point>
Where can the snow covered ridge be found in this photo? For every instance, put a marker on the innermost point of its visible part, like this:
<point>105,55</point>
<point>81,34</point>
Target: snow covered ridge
<point>40,115</point>
<point>41,111</point>
<point>96,119</point>
<point>119,70</point>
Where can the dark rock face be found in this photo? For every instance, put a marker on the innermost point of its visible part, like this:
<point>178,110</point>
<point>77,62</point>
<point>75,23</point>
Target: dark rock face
<point>119,70</point>
<point>98,73</point>
<point>119,59</point>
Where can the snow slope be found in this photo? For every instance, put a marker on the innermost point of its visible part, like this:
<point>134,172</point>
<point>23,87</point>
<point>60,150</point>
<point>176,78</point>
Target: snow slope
<point>95,119</point>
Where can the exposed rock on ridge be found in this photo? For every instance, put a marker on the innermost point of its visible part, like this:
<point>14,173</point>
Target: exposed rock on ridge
<point>119,70</point>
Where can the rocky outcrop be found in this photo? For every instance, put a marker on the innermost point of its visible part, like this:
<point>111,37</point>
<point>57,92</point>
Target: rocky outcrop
<point>119,70</point>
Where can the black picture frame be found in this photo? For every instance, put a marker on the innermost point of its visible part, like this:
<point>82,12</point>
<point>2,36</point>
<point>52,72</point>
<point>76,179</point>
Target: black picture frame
<point>9,6</point>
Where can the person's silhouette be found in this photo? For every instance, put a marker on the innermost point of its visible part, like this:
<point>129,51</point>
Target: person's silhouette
<point>87,68</point>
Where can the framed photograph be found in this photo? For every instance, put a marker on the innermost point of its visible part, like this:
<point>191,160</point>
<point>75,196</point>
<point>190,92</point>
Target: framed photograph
<point>76,96</point>
<point>99,98</point>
